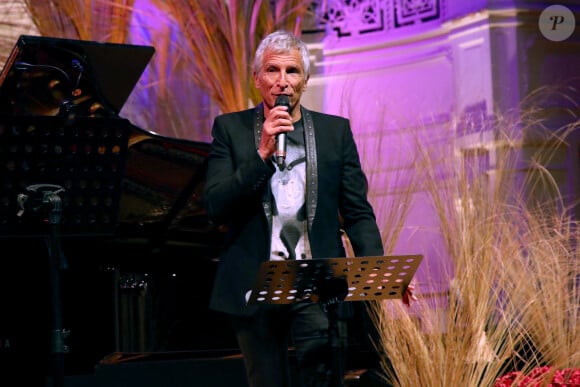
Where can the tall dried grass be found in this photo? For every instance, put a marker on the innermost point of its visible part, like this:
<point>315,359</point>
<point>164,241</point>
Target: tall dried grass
<point>99,20</point>
<point>221,39</point>
<point>510,236</point>
<point>13,23</point>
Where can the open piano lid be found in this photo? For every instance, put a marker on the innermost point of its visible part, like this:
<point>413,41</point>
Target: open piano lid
<point>41,72</point>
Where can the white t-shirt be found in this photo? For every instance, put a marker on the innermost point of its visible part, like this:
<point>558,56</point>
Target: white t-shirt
<point>289,225</point>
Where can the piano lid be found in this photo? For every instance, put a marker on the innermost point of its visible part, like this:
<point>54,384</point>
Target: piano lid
<point>161,178</point>
<point>43,73</point>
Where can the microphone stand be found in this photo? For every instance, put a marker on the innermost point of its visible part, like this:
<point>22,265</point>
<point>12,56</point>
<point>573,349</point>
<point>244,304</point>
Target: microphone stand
<point>50,198</point>
<point>330,293</point>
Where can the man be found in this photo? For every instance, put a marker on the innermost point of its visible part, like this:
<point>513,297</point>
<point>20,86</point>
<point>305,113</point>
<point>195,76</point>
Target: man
<point>286,211</point>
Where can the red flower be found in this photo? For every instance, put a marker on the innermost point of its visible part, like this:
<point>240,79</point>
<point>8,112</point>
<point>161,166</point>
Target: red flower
<point>562,378</point>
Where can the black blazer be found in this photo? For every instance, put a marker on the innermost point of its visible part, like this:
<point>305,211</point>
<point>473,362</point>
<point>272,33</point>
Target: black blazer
<point>237,194</point>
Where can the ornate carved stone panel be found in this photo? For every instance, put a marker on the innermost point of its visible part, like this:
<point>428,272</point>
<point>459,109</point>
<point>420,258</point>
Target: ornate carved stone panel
<point>347,18</point>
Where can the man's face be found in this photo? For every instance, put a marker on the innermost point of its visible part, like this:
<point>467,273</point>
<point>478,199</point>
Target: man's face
<point>281,73</point>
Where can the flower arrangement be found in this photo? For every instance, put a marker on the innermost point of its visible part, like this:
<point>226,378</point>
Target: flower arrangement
<point>541,376</point>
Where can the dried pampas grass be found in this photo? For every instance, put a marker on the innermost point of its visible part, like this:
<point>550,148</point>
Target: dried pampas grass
<point>510,235</point>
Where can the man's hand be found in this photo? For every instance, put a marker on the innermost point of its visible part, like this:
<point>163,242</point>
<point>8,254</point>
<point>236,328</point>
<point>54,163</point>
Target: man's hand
<point>277,120</point>
<point>409,295</point>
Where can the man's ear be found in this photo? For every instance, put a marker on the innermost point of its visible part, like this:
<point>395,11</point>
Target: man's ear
<point>256,80</point>
<point>306,84</point>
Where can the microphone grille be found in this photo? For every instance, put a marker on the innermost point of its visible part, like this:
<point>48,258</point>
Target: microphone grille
<point>283,100</point>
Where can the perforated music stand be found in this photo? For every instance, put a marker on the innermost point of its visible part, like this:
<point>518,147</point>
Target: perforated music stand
<point>60,178</point>
<point>86,157</point>
<point>332,280</point>
<point>368,278</point>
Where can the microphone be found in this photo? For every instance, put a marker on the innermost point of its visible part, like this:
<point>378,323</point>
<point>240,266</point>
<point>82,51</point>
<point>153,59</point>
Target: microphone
<point>281,100</point>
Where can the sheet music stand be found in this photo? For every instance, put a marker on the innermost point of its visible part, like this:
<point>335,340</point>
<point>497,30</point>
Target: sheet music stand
<point>86,158</point>
<point>330,281</point>
<point>60,178</point>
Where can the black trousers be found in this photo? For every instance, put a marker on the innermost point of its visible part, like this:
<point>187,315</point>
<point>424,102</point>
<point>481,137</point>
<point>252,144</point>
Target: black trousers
<point>265,338</point>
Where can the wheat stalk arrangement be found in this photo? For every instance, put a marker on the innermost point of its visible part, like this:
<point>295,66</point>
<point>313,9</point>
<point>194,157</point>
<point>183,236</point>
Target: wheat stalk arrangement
<point>512,301</point>
<point>546,275</point>
<point>13,23</point>
<point>99,20</point>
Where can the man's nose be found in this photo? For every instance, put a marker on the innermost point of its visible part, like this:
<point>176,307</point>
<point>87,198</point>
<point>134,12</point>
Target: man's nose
<point>282,80</point>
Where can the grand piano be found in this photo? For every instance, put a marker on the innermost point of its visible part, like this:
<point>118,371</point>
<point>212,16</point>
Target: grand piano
<point>116,208</point>
<point>135,251</point>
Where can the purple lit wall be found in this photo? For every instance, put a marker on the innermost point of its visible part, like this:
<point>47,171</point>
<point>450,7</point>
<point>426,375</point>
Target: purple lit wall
<point>165,90</point>
<point>407,71</point>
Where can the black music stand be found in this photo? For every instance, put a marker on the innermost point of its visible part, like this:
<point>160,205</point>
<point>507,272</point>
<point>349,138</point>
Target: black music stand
<point>60,178</point>
<point>330,281</point>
